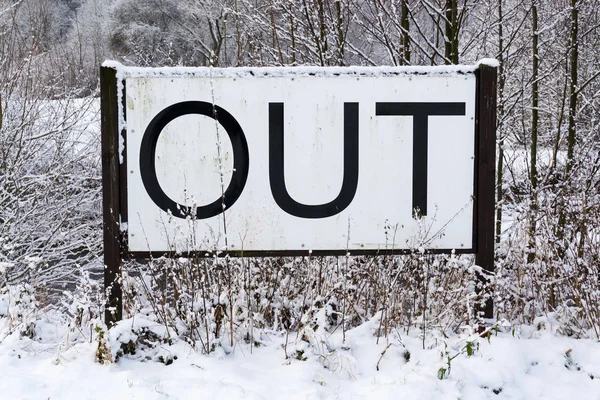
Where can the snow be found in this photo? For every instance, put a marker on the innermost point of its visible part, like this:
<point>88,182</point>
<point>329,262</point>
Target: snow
<point>531,364</point>
<point>210,72</point>
<point>490,62</point>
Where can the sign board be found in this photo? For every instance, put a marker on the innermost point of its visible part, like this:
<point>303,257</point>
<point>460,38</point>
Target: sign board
<point>292,161</point>
<point>297,161</point>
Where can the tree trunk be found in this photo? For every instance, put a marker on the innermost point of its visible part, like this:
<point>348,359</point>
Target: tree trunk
<point>571,138</point>
<point>275,37</point>
<point>340,33</point>
<point>573,86</point>
<point>454,31</point>
<point>238,36</point>
<point>404,58</point>
<point>323,33</point>
<point>451,33</point>
<point>534,132</point>
<point>292,32</point>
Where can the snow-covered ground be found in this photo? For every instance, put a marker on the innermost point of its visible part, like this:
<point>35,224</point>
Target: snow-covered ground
<point>521,363</point>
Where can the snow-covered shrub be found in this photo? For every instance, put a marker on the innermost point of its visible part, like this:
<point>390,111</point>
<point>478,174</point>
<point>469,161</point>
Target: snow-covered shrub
<point>220,302</point>
<point>153,33</point>
<point>49,165</point>
<point>556,275</point>
<point>18,310</point>
<point>140,339</point>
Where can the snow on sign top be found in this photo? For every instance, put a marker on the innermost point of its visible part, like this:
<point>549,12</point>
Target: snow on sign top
<point>294,159</point>
<point>212,72</point>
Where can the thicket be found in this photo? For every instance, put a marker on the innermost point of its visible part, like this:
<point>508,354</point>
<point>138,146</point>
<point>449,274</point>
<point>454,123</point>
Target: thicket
<point>548,179</point>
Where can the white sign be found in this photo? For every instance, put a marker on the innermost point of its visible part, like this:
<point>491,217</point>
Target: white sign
<point>287,161</point>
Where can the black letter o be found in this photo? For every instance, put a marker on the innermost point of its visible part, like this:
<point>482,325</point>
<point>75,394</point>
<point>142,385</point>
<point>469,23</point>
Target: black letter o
<point>148,158</point>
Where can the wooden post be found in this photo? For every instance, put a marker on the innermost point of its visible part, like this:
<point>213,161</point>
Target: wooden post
<point>110,195</point>
<point>485,176</point>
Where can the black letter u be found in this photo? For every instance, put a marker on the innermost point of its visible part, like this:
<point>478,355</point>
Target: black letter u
<point>277,175</point>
